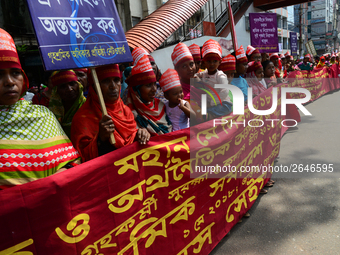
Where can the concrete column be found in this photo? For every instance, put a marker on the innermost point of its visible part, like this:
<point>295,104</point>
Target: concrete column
<point>123,8</point>
<point>145,8</point>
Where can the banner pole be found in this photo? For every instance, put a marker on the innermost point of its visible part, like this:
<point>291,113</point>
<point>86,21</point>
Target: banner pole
<point>101,99</point>
<point>232,27</point>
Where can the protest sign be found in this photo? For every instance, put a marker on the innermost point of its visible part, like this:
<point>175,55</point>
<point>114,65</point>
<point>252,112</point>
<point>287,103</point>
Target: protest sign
<point>263,32</point>
<point>293,43</point>
<point>74,34</point>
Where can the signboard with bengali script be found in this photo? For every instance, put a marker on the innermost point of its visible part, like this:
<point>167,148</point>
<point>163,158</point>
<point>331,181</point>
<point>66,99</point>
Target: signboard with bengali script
<point>263,32</point>
<point>78,33</point>
<point>293,43</point>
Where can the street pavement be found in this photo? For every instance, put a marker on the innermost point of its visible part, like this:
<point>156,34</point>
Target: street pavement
<point>298,215</point>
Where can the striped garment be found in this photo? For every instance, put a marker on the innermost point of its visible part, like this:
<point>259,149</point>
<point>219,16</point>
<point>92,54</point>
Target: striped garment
<point>32,144</point>
<point>151,116</point>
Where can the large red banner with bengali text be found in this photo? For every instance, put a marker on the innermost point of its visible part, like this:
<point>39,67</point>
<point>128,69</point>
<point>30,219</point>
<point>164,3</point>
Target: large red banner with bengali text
<point>319,81</point>
<point>148,199</point>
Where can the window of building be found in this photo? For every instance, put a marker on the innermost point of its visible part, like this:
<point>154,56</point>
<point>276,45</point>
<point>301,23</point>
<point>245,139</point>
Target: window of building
<point>135,21</point>
<point>279,24</point>
<point>284,21</point>
<point>309,3</point>
<point>309,15</point>
<point>284,43</point>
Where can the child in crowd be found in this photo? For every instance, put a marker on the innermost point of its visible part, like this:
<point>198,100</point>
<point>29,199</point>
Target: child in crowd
<point>228,66</point>
<point>269,73</point>
<point>241,69</point>
<point>253,54</point>
<point>196,54</point>
<point>177,109</point>
<point>218,101</point>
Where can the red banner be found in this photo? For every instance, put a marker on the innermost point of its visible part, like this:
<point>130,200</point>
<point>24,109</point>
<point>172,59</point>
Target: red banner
<point>319,81</point>
<point>149,199</point>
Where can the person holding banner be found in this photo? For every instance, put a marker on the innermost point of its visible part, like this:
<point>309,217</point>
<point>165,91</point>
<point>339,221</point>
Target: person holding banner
<point>149,111</point>
<point>29,133</point>
<point>91,130</point>
<point>67,97</point>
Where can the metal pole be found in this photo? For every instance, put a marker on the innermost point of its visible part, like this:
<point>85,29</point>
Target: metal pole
<point>300,48</point>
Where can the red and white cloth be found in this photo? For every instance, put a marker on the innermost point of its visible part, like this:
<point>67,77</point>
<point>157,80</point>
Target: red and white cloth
<point>169,80</point>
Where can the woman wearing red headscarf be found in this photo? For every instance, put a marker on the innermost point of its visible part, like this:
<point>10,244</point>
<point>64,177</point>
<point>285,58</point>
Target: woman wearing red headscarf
<point>30,134</point>
<point>91,131</point>
<point>255,78</point>
<point>149,111</point>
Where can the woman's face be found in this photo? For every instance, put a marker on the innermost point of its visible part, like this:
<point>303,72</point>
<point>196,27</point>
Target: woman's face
<point>69,91</point>
<point>256,57</point>
<point>148,91</point>
<point>241,68</point>
<point>275,61</point>
<point>11,84</point>
<point>82,78</point>
<point>283,61</point>
<point>110,88</point>
<point>259,73</point>
<point>269,71</point>
<point>265,57</point>
<point>186,70</point>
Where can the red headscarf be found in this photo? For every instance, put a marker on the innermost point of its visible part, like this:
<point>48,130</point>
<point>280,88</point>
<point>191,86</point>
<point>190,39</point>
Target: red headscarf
<point>85,123</point>
<point>9,57</point>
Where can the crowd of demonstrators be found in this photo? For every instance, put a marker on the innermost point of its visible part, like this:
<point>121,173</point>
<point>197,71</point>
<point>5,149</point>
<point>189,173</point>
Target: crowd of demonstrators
<point>141,102</point>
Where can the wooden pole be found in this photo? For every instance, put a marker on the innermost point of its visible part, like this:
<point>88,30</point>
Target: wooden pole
<point>101,99</point>
<point>232,27</point>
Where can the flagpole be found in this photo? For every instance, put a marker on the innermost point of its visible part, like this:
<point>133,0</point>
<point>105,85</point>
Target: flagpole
<point>101,99</point>
<point>232,27</point>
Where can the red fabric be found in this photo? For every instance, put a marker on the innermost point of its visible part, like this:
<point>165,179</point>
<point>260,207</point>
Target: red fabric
<point>41,99</point>
<point>137,53</point>
<point>253,66</point>
<point>142,198</point>
<point>211,56</point>
<point>107,71</point>
<point>181,54</point>
<point>195,52</point>
<point>169,80</point>
<point>228,63</point>
<point>61,77</point>
<point>85,125</point>
<point>277,73</point>
<point>241,56</point>
<point>211,46</point>
<point>9,57</point>
<point>141,73</point>
<point>85,70</point>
